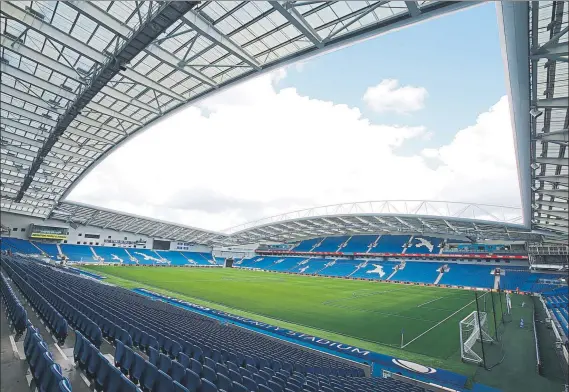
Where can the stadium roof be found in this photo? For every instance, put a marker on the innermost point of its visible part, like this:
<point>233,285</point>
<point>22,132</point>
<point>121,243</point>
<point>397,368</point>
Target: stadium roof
<point>535,43</point>
<point>80,78</point>
<point>456,220</point>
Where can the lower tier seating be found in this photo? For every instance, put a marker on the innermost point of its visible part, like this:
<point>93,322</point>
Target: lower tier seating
<point>187,351</point>
<point>47,375</point>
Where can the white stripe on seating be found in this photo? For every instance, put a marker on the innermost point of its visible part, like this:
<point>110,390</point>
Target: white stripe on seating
<point>85,379</point>
<point>14,347</point>
<point>61,352</point>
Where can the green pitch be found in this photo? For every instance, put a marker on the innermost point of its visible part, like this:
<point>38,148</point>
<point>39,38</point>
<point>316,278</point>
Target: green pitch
<point>366,314</point>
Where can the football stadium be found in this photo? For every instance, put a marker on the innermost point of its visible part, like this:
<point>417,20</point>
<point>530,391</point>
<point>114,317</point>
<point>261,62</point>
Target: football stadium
<point>374,296</point>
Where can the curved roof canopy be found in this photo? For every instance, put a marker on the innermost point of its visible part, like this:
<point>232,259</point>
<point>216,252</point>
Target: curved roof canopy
<point>535,46</point>
<point>454,220</point>
<point>79,78</point>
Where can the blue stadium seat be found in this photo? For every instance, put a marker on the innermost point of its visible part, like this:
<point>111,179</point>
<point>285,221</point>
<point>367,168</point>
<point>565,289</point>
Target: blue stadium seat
<point>163,383</point>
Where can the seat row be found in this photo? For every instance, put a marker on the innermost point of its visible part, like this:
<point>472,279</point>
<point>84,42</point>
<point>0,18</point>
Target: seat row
<point>174,327</point>
<point>47,374</point>
<point>55,322</point>
<point>193,353</point>
<point>16,313</point>
<point>98,368</point>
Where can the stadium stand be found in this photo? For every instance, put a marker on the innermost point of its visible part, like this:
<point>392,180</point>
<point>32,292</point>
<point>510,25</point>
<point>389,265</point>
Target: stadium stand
<point>175,258</point>
<point>420,272</point>
<point>50,250</point>
<point>331,244</point>
<point>19,245</point>
<point>80,253</point>
<point>557,301</point>
<point>390,244</point>
<point>424,245</point>
<point>307,245</point>
<point>359,243</point>
<point>184,349</point>
<point>113,255</point>
<point>469,276</point>
<point>47,375</point>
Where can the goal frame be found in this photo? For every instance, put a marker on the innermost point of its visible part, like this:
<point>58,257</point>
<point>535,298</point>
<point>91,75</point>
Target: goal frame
<point>471,325</point>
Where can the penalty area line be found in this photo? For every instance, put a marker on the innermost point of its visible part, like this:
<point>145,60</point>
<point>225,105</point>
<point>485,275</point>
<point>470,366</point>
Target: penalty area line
<point>428,302</point>
<point>439,323</point>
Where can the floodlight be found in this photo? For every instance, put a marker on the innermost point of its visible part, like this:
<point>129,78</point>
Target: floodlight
<point>535,113</point>
<point>535,166</point>
<point>533,188</point>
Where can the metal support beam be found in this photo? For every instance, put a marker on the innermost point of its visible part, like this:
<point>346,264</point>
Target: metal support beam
<point>31,79</point>
<point>413,8</point>
<point>560,179</point>
<point>553,161</point>
<point>22,50</point>
<point>553,204</point>
<point>30,98</point>
<point>293,16</point>
<point>27,114</point>
<point>557,136</point>
<point>562,193</point>
<point>8,122</point>
<point>204,28</point>
<point>560,102</point>
<point>48,30</point>
<point>564,215</point>
<point>167,14</point>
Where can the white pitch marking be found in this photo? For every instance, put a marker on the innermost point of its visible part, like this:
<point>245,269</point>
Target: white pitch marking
<point>440,322</point>
<point>14,347</point>
<point>433,300</point>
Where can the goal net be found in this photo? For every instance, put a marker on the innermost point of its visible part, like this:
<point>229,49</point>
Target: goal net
<point>472,335</point>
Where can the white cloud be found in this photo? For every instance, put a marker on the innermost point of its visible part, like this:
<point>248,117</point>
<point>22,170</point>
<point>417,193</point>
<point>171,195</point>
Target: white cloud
<point>261,152</point>
<point>388,96</point>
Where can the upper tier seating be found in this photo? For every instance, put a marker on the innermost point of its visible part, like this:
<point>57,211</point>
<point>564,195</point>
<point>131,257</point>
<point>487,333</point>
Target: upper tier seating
<point>113,254</point>
<point>359,244</point>
<point>16,245</point>
<point>390,244</point>
<point>331,244</point>
<point>81,253</point>
<point>306,245</point>
<point>424,245</point>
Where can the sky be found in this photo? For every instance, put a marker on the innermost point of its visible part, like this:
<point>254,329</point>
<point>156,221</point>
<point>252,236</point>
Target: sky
<point>419,114</point>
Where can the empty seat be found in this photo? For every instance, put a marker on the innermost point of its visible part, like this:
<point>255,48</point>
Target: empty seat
<point>163,383</point>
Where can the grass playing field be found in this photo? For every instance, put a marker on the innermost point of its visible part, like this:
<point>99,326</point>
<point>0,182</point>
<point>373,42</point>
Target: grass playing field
<point>370,315</point>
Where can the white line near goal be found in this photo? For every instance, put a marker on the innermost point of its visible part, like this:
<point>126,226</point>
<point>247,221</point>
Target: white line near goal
<point>440,322</point>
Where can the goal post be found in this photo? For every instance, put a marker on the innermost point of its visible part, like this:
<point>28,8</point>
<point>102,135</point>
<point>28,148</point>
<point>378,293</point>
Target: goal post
<point>474,332</point>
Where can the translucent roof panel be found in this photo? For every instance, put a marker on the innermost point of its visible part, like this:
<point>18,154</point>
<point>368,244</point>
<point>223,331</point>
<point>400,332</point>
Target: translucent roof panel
<point>549,104</point>
<point>80,78</point>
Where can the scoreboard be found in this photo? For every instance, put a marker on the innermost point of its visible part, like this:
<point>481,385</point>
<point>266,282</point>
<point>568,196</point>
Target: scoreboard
<point>48,232</point>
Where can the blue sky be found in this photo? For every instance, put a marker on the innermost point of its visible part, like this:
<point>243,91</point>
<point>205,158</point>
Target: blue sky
<point>416,114</point>
<point>456,58</point>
